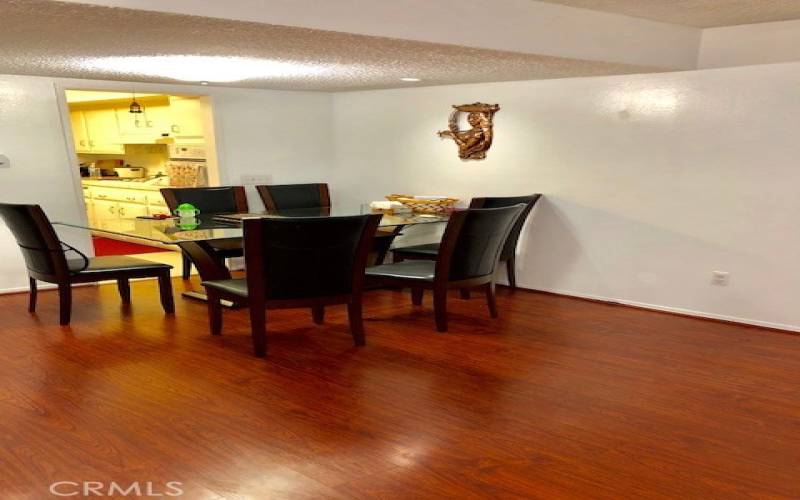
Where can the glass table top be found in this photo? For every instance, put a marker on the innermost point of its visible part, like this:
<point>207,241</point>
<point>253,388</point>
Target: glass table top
<point>173,231</point>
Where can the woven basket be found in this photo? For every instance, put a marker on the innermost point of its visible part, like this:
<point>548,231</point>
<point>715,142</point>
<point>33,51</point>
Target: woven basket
<point>427,206</point>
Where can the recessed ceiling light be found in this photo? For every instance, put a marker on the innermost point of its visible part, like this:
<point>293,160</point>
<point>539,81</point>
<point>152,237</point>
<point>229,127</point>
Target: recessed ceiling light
<point>409,79</point>
<point>203,68</point>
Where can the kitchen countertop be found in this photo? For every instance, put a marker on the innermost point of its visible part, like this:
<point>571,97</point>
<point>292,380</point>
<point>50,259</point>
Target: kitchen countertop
<point>150,185</point>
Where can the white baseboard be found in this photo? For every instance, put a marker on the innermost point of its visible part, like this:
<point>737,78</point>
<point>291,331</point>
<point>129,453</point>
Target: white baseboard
<point>675,310</point>
<point>42,286</point>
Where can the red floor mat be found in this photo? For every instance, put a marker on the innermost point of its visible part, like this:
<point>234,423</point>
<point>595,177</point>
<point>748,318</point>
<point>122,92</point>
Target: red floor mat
<point>107,246</point>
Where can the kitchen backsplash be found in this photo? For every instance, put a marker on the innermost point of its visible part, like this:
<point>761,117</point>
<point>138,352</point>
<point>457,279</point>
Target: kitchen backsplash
<point>153,157</point>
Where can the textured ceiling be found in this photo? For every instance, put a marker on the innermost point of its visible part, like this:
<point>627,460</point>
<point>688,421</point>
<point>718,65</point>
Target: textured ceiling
<point>697,13</point>
<point>47,38</point>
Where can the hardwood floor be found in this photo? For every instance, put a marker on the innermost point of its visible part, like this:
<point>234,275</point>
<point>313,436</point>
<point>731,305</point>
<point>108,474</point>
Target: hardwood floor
<point>558,398</point>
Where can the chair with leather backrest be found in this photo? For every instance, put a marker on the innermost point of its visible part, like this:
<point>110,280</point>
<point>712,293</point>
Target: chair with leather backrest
<point>298,262</point>
<point>468,256</point>
<point>299,196</point>
<point>290,196</point>
<point>46,260</point>
<point>210,201</point>
<point>429,251</point>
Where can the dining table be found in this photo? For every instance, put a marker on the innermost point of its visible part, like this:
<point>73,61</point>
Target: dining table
<point>195,235</point>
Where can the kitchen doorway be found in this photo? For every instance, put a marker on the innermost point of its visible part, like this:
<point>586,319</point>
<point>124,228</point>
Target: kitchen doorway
<point>130,145</point>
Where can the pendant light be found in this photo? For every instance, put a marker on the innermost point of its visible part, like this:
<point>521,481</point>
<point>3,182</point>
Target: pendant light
<point>135,107</point>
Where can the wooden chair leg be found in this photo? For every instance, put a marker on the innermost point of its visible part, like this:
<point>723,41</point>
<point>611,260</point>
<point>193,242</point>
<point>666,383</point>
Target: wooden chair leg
<point>124,287</point>
<point>65,303</point>
<point>416,296</point>
<point>511,272</point>
<point>356,318</point>
<point>32,297</point>
<point>165,292</point>
<point>490,299</point>
<point>186,270</point>
<point>440,308</point>
<point>464,292</point>
<point>318,314</point>
<point>258,328</point>
<point>214,312</point>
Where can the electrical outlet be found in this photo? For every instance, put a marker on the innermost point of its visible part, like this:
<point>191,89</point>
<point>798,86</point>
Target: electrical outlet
<point>720,278</point>
<point>252,180</point>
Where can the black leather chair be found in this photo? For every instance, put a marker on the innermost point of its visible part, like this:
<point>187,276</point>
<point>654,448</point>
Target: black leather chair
<point>470,250</point>
<point>429,251</point>
<point>46,260</point>
<point>210,201</point>
<point>298,196</point>
<point>290,196</point>
<point>298,262</point>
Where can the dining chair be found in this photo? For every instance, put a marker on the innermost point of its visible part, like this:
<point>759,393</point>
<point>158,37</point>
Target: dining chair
<point>210,201</point>
<point>46,260</point>
<point>468,256</point>
<point>289,196</point>
<point>295,263</point>
<point>430,251</point>
<point>298,196</point>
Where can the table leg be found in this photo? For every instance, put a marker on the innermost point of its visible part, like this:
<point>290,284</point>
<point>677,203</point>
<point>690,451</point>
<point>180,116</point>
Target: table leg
<point>210,265</point>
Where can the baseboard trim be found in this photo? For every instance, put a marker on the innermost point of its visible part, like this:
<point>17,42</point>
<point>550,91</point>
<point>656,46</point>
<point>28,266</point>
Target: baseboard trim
<point>676,311</point>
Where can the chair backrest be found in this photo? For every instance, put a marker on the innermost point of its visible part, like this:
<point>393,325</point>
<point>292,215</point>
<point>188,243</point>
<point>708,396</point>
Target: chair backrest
<point>289,196</point>
<point>306,257</point>
<point>510,245</point>
<point>209,200</point>
<point>41,249</point>
<point>472,241</point>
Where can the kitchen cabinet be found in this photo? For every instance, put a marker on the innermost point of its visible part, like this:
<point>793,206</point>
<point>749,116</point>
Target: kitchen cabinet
<point>103,131</point>
<point>96,131</point>
<point>186,117</point>
<point>79,133</point>
<point>106,214</point>
<point>145,127</point>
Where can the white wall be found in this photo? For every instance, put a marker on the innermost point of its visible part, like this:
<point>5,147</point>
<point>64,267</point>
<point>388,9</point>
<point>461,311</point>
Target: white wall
<point>285,135</point>
<point>747,44</point>
<point>651,181</point>
<point>515,25</point>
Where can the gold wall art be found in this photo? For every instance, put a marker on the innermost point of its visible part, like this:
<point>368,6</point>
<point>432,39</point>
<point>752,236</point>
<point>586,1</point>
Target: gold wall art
<point>475,142</point>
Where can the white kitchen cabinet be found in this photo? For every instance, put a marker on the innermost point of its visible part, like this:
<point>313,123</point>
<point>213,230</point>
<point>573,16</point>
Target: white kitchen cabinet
<point>96,131</point>
<point>103,131</point>
<point>131,210</point>
<point>186,117</point>
<point>106,213</point>
<point>79,133</point>
<point>145,127</point>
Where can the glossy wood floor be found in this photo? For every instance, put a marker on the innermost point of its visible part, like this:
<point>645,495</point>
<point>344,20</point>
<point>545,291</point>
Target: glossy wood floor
<point>559,398</point>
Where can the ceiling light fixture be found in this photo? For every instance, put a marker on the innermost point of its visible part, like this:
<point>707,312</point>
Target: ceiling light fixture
<point>409,79</point>
<point>203,68</point>
<point>135,107</point>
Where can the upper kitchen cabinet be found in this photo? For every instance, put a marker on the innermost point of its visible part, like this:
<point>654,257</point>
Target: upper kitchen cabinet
<point>96,131</point>
<point>187,116</point>
<point>144,128</point>
<point>105,125</point>
<point>79,132</point>
<point>103,130</point>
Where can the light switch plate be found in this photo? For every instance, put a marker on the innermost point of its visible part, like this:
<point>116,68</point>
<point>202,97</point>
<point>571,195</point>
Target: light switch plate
<point>5,162</point>
<point>252,180</point>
